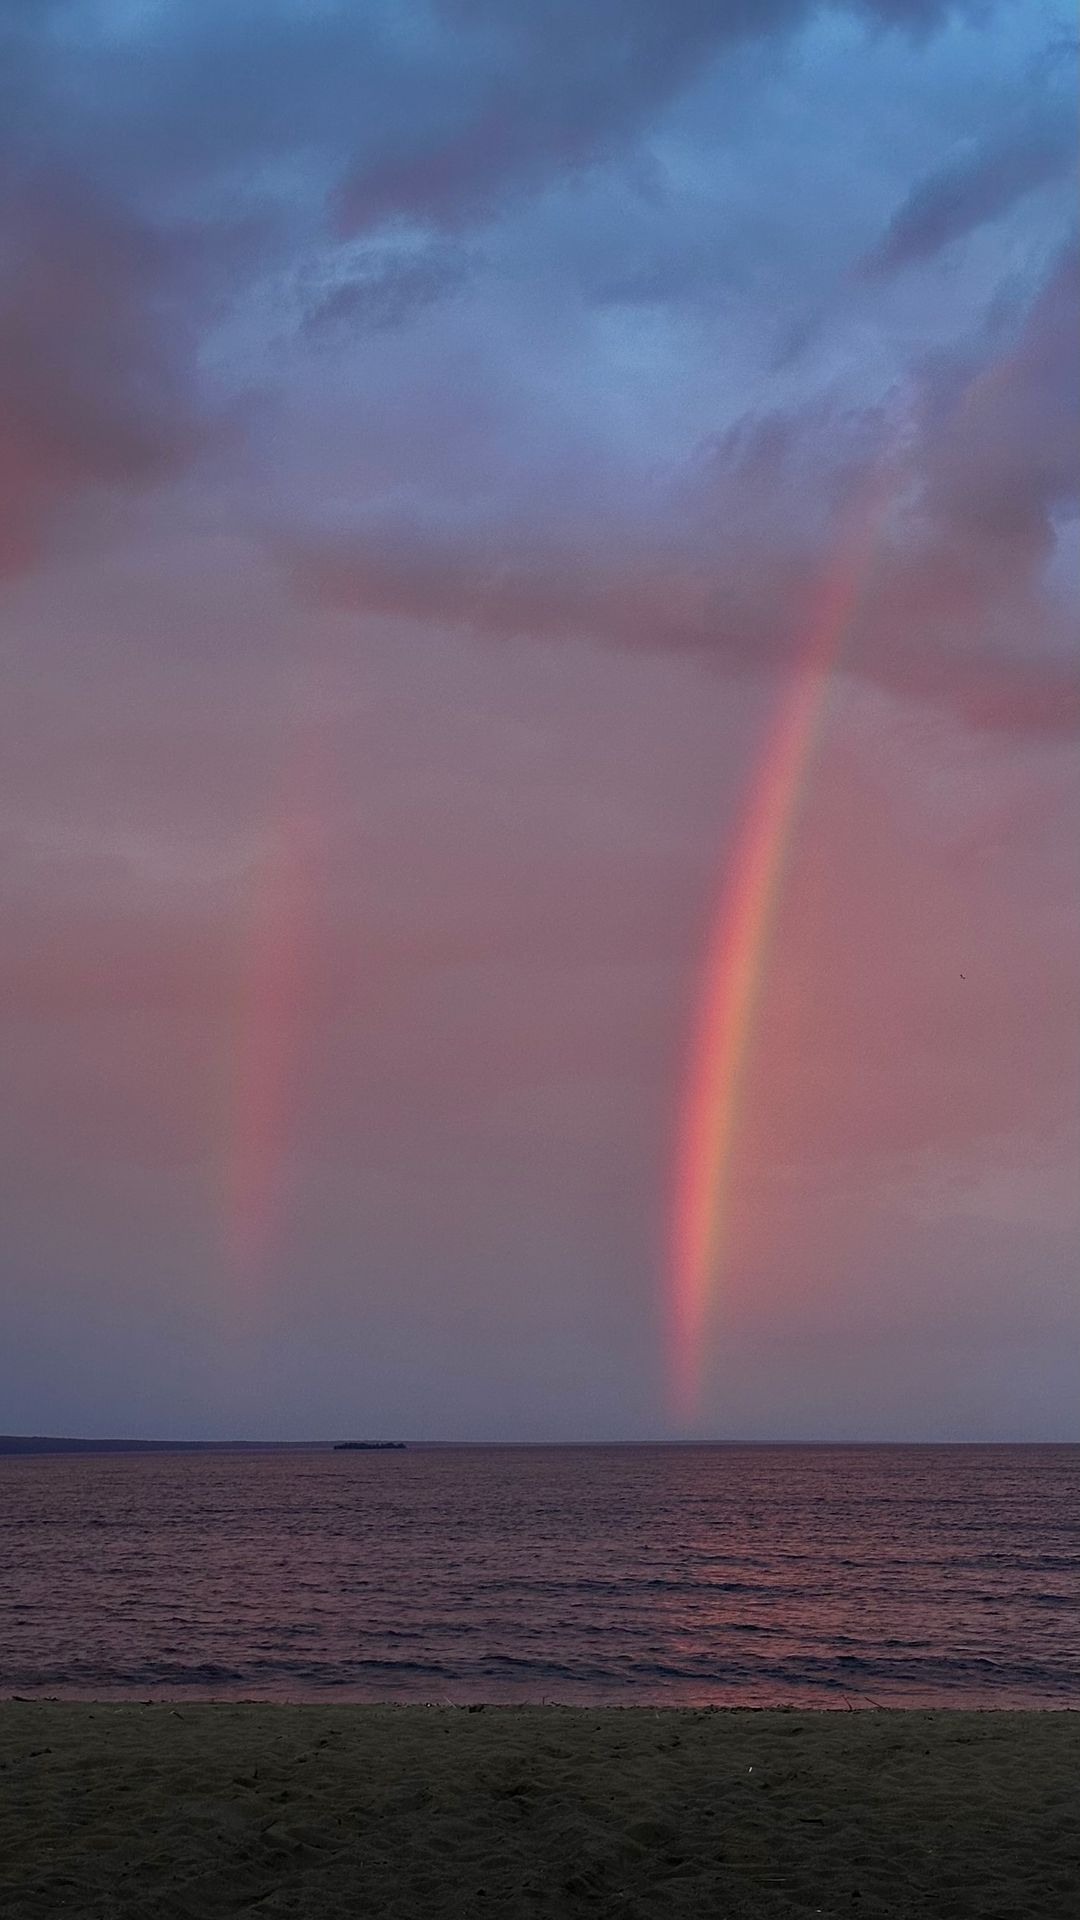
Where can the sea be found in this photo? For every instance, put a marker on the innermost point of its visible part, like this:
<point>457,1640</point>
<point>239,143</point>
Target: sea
<point>638,1575</point>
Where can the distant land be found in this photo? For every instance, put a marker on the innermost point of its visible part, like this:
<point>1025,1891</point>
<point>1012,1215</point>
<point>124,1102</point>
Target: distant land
<point>47,1443</point>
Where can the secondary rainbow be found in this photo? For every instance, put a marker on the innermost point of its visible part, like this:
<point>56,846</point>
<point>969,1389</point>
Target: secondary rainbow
<point>276,964</point>
<point>735,969</point>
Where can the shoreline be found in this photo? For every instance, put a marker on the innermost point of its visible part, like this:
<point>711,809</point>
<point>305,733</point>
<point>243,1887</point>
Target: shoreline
<point>219,1808</point>
<point>334,1699</point>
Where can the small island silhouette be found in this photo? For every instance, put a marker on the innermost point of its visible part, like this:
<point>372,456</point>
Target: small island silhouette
<point>369,1446</point>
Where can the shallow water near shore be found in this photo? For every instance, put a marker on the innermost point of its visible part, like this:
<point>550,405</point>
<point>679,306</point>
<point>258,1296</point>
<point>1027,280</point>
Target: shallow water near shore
<point>752,1576</point>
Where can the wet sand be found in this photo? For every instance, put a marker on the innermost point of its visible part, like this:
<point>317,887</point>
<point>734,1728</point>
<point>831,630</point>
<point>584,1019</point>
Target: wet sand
<point>192,1811</point>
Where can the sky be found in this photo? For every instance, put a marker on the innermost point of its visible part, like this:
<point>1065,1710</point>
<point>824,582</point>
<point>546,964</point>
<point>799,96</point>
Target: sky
<point>429,435</point>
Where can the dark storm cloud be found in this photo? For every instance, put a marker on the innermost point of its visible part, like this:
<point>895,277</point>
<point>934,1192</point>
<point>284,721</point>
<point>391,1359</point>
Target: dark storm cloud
<point>724,559</point>
<point>1002,452</point>
<point>96,386</point>
<point>975,187</point>
<point>961,599</point>
<point>121,130</point>
<point>199,150</point>
<point>376,95</point>
<point>553,87</point>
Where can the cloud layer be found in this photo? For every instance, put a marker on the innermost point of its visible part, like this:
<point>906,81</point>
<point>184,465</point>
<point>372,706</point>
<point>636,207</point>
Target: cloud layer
<point>424,436</point>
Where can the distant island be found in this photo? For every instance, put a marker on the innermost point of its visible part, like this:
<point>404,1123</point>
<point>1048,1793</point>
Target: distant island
<point>369,1446</point>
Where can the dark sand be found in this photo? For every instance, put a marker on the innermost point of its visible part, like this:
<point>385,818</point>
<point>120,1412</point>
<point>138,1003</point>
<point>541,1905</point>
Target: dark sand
<point>189,1810</point>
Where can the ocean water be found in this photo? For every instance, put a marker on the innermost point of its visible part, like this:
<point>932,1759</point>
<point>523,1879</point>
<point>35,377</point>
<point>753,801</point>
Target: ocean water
<point>824,1576</point>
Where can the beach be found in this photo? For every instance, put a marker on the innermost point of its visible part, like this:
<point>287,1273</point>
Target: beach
<point>181,1809</point>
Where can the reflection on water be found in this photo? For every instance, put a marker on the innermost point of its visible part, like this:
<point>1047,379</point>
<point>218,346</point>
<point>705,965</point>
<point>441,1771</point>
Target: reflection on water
<point>902,1575</point>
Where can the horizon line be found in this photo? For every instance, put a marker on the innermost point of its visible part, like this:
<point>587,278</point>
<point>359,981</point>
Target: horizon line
<point>14,1443</point>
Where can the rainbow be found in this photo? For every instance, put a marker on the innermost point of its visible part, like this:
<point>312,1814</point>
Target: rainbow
<point>735,969</point>
<point>274,972</point>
